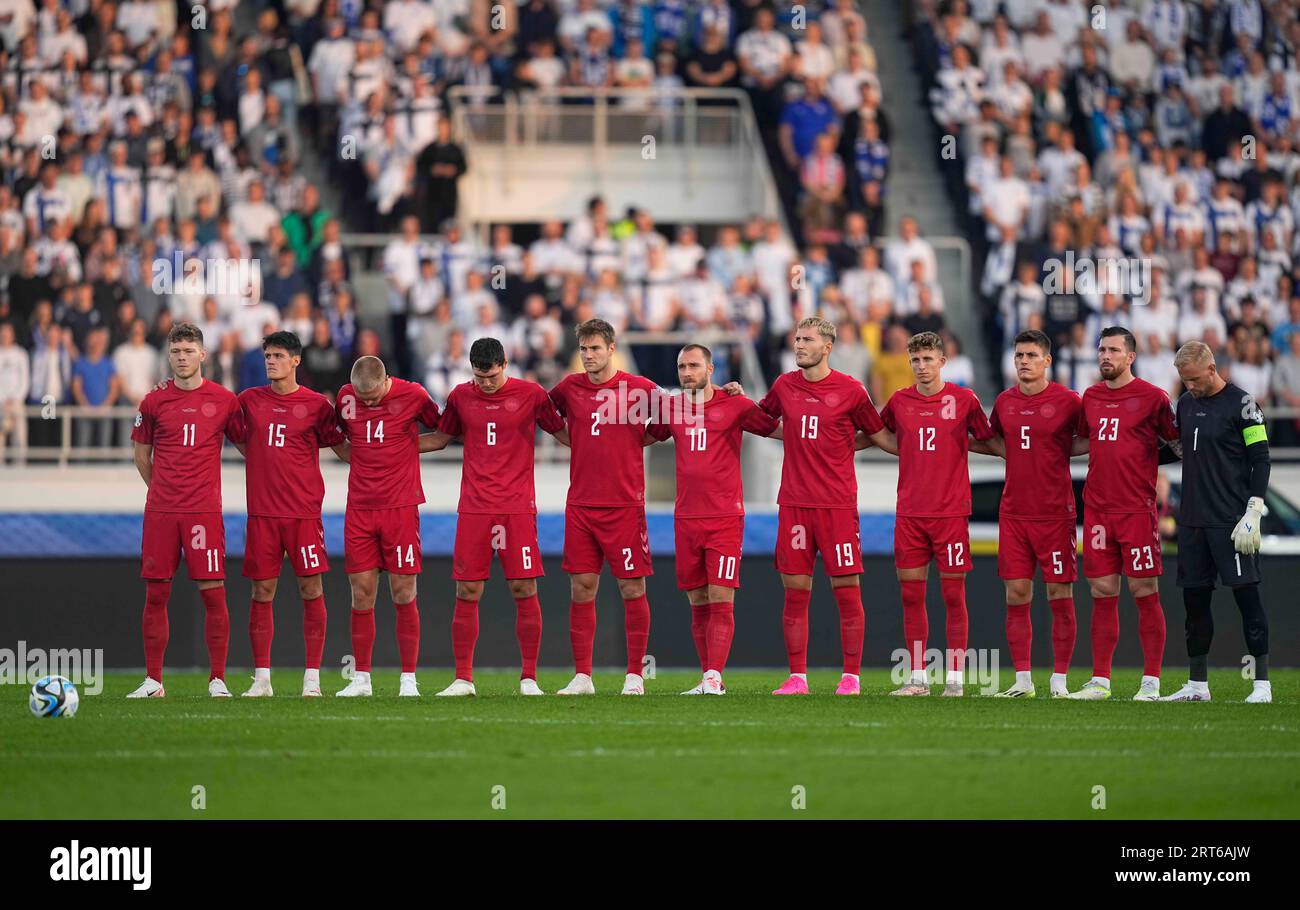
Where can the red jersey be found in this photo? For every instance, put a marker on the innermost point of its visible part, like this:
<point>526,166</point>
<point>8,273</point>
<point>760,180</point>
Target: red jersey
<point>282,437</point>
<point>708,438</point>
<point>1038,431</point>
<point>934,448</point>
<point>498,431</point>
<point>606,425</point>
<point>385,470</point>
<point>186,430</point>
<point>1123,426</point>
<point>820,419</point>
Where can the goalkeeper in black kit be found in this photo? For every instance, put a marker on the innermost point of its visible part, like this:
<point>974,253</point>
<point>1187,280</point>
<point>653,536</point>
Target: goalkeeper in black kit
<point>1225,476</point>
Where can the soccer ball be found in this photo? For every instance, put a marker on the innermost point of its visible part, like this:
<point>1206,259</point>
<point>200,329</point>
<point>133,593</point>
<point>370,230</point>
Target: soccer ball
<point>54,696</point>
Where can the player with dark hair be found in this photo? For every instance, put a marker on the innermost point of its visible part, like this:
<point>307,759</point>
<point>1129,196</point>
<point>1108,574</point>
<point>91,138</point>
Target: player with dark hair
<point>1225,462</point>
<point>706,425</point>
<point>281,429</point>
<point>1124,420</point>
<point>606,411</point>
<point>496,417</point>
<point>932,424</point>
<point>1036,421</point>
<point>178,434</point>
<point>821,409</point>
<point>380,415</point>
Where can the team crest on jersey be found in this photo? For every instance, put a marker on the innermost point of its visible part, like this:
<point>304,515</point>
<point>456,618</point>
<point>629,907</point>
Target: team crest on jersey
<point>300,411</point>
<point>512,404</point>
<point>209,409</point>
<point>1048,410</point>
<point>832,400</point>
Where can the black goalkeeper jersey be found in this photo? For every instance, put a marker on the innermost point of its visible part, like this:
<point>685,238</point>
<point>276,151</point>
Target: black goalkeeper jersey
<point>1215,432</point>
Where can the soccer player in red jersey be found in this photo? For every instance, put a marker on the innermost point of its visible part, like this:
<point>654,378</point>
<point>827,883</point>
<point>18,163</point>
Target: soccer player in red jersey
<point>709,516</point>
<point>821,409</point>
<point>1124,419</point>
<point>933,422</point>
<point>281,429</point>
<point>606,411</point>
<point>497,417</point>
<point>178,435</point>
<point>381,527</point>
<point>1036,421</point>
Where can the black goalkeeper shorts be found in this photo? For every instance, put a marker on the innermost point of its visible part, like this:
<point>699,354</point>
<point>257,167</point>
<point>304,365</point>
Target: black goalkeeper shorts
<point>1204,553</point>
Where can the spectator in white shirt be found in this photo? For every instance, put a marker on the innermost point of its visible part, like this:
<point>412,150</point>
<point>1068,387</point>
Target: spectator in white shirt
<point>15,381</point>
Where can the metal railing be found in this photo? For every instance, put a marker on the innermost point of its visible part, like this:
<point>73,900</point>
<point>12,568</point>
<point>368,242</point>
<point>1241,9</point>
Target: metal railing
<point>66,452</point>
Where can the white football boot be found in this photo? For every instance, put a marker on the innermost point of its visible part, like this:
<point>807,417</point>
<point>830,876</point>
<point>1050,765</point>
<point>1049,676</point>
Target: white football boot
<point>1149,690</point>
<point>150,688</point>
<point>458,687</point>
<point>406,687</point>
<point>261,687</point>
<point>713,683</point>
<point>311,684</point>
<point>1095,689</point>
<point>217,688</point>
<point>358,686</point>
<point>633,685</point>
<point>1262,694</point>
<point>581,684</point>
<point>1058,687</point>
<point>528,686</point>
<point>1191,691</point>
<point>698,689</point>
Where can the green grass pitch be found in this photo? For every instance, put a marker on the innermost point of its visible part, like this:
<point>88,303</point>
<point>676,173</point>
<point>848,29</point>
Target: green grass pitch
<point>745,755</point>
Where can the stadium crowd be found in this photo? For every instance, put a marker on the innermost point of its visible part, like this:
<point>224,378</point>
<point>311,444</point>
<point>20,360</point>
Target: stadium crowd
<point>139,132</point>
<point>1159,135</point>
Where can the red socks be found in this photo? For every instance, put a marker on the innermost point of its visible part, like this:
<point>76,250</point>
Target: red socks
<point>216,629</point>
<point>408,635</point>
<point>636,613</point>
<point>261,629</point>
<point>1105,634</point>
<point>722,627</point>
<point>794,621</point>
<point>313,630</point>
<point>916,624</point>
<point>528,629</point>
<point>853,626</point>
<point>955,629</point>
<point>363,638</point>
<point>701,615</point>
<point>582,634</point>
<point>1151,632</point>
<point>1020,635</point>
<point>1063,632</point>
<point>154,626</point>
<point>464,634</point>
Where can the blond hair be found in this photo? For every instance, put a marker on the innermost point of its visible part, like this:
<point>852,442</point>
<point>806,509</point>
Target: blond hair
<point>1193,353</point>
<point>368,373</point>
<point>824,327</point>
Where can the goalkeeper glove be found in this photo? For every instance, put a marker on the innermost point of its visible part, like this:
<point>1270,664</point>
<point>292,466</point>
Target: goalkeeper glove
<point>1245,536</point>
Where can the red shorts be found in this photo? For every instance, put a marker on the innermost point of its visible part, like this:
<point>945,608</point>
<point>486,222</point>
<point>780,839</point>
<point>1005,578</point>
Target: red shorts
<point>803,532</point>
<point>513,538</point>
<point>382,539</point>
<point>593,536</point>
<point>1024,545</point>
<point>708,551</point>
<point>269,539</point>
<point>946,540</point>
<point>1116,543</point>
<point>200,535</point>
